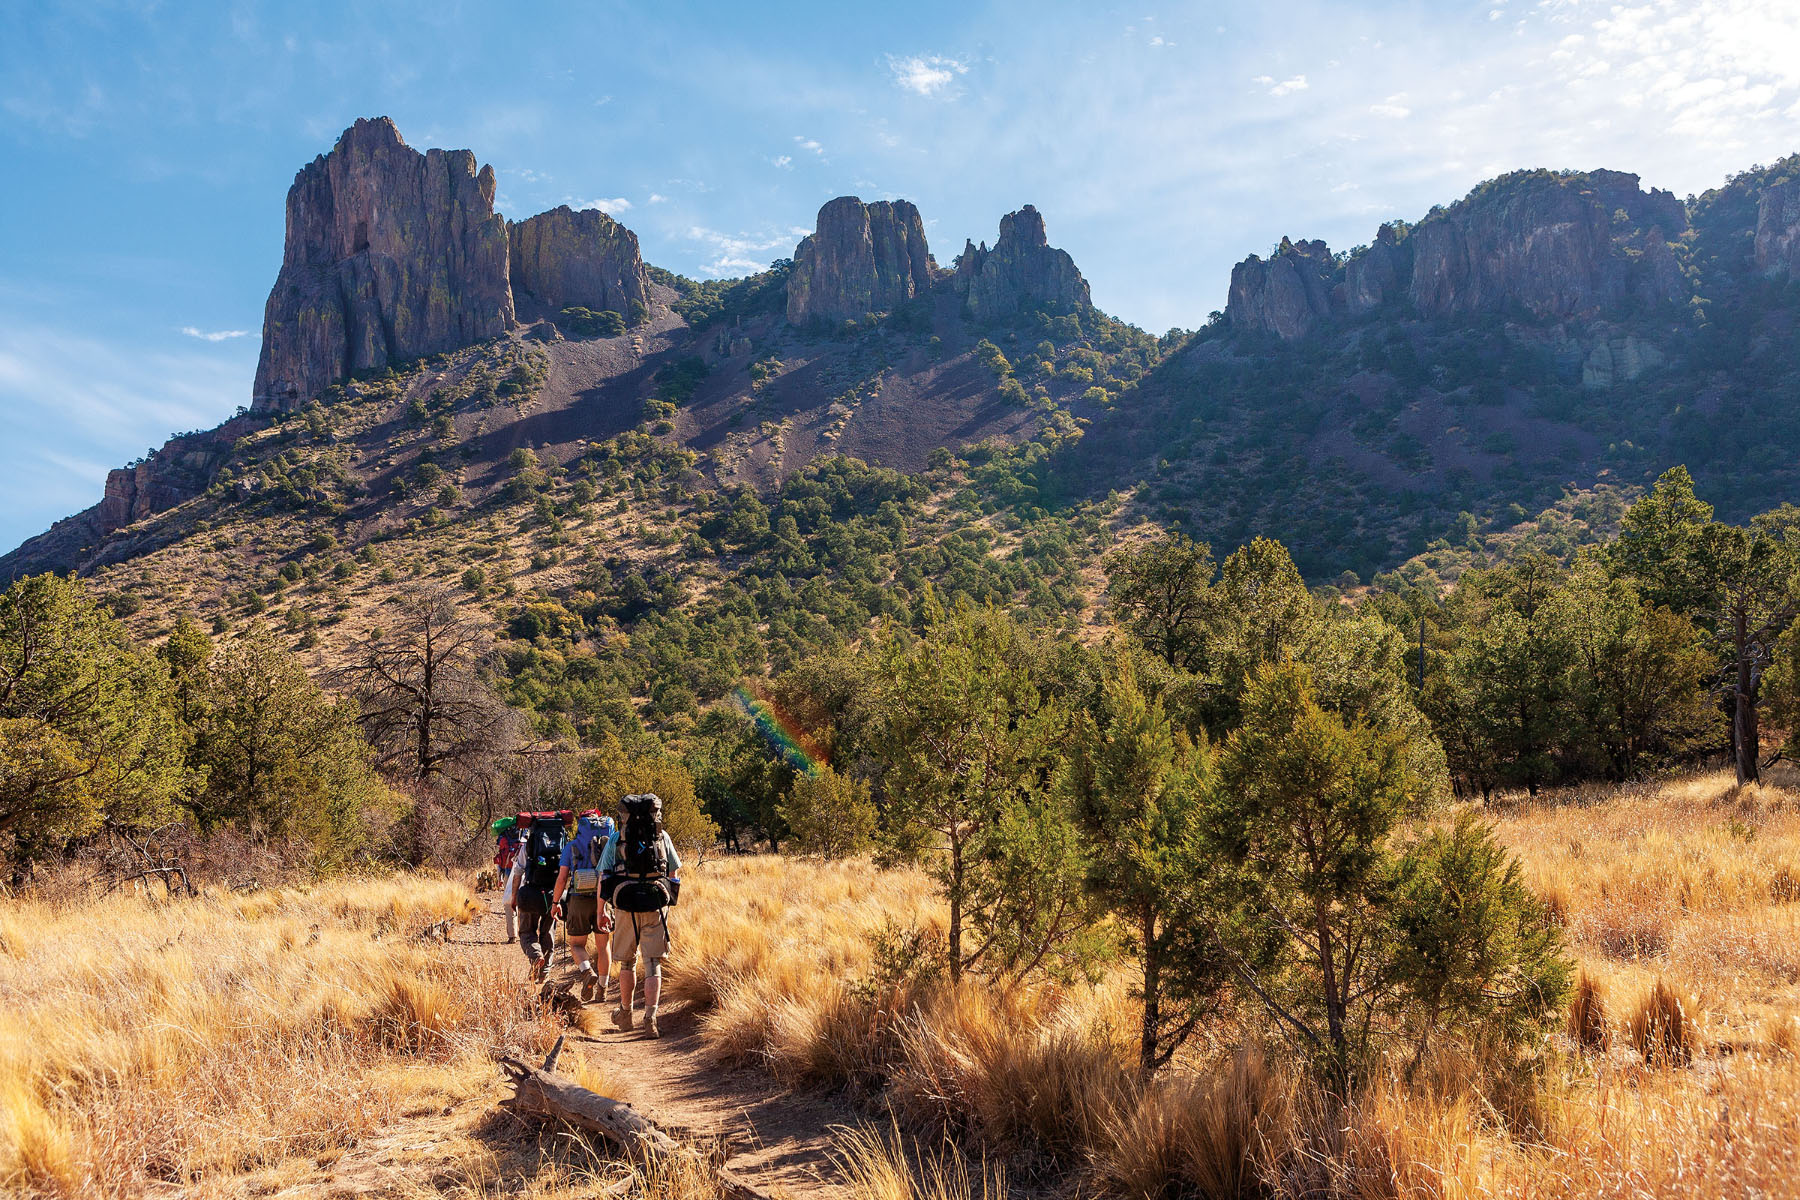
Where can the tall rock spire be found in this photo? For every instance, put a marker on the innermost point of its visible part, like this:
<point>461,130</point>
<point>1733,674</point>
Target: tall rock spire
<point>1022,271</point>
<point>861,258</point>
<point>391,254</point>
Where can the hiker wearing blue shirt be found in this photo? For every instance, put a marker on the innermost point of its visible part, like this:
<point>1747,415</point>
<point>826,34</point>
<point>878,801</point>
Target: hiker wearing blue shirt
<point>578,901</point>
<point>639,877</point>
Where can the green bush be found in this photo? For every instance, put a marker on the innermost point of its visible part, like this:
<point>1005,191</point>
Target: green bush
<point>586,323</point>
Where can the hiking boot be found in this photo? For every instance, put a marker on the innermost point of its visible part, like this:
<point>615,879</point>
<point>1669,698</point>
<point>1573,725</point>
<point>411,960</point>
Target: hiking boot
<point>539,968</point>
<point>650,1029</point>
<point>622,1018</point>
<point>590,981</point>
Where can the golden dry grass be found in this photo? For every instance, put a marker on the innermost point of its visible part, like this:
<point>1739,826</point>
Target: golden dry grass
<point>1679,901</point>
<point>145,1041</point>
<point>191,1041</point>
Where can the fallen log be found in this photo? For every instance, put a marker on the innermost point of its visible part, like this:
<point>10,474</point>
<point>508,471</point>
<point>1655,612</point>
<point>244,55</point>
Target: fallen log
<point>542,1092</point>
<point>548,1094</point>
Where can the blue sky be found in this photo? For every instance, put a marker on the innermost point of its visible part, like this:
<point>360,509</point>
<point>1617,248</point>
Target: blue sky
<point>149,147</point>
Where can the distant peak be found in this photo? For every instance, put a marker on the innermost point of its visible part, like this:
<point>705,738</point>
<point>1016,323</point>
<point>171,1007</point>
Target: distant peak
<point>372,132</point>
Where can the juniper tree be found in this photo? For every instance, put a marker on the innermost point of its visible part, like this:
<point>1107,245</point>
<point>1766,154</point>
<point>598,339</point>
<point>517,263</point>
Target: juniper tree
<point>1136,786</point>
<point>970,745</point>
<point>1298,817</point>
<point>88,729</point>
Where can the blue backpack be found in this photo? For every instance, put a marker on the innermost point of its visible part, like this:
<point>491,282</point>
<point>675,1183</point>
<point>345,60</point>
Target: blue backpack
<point>590,839</point>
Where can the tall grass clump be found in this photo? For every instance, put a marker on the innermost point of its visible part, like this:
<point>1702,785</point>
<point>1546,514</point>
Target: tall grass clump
<point>1660,1029</point>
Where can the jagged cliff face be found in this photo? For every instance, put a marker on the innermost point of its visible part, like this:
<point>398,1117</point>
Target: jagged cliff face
<point>1778,230</point>
<point>1288,295</point>
<point>861,259</point>
<point>391,255</point>
<point>565,258</point>
<point>1555,246</point>
<point>1379,275</point>
<point>1022,271</point>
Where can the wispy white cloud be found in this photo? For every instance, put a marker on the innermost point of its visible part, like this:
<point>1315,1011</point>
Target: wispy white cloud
<point>929,75</point>
<point>657,198</point>
<point>73,406</point>
<point>743,253</point>
<point>1393,107</point>
<point>214,335</point>
<point>1295,83</point>
<point>784,161</point>
<point>612,206</point>
<point>806,143</point>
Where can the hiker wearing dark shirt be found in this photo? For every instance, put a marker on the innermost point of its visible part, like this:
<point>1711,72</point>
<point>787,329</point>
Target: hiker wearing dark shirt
<point>640,870</point>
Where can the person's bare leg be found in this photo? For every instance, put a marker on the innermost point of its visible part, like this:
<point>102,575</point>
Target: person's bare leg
<point>652,994</point>
<point>652,985</point>
<point>627,984</point>
<point>603,958</point>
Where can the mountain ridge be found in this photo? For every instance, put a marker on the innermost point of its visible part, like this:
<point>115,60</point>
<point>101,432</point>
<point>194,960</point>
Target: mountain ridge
<point>395,257</point>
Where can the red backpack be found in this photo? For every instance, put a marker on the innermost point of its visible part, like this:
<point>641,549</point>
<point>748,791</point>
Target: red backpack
<point>510,841</point>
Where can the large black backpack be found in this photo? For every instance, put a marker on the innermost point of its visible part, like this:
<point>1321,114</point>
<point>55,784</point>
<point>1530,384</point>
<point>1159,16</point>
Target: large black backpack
<point>640,880</point>
<point>543,852</point>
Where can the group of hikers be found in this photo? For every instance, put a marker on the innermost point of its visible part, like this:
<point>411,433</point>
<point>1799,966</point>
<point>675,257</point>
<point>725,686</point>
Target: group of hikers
<point>617,880</point>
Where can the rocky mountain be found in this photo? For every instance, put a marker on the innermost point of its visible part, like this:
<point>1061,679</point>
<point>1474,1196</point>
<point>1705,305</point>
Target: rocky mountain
<point>860,259</point>
<point>391,255</point>
<point>395,258</point>
<point>1022,271</point>
<point>1552,244</point>
<point>563,259</point>
<point>1549,329</point>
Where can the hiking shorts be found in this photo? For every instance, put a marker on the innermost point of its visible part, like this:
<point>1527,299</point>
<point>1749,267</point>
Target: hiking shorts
<point>645,934</point>
<point>581,913</point>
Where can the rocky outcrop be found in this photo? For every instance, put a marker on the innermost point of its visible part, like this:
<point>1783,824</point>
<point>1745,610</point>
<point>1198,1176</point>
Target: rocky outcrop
<point>1377,275</point>
<point>1618,359</point>
<point>391,254</point>
<point>179,471</point>
<point>564,258</point>
<point>1659,278</point>
<point>861,259</point>
<point>1778,230</point>
<point>1023,271</point>
<point>1287,296</point>
<point>1554,245</point>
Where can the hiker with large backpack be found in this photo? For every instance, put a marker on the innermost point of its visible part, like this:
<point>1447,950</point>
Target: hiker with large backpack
<point>507,840</point>
<point>578,901</point>
<point>537,865</point>
<point>639,873</point>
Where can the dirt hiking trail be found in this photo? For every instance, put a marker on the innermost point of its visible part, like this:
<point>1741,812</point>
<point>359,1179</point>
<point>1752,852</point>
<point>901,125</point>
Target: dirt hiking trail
<point>777,1141</point>
<point>454,1140</point>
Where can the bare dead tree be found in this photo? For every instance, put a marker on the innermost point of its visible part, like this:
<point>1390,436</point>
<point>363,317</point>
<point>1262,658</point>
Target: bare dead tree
<point>434,721</point>
<point>159,854</point>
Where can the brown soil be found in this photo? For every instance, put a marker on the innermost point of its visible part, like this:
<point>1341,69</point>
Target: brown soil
<point>465,1143</point>
<point>775,1140</point>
